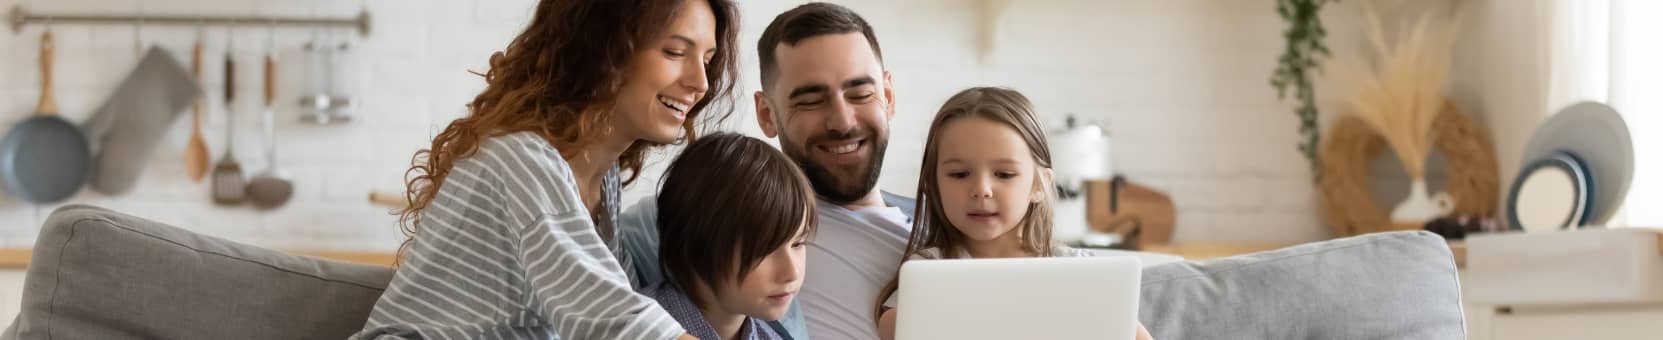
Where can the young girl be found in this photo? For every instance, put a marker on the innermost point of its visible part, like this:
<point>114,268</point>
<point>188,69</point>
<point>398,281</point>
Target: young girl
<point>734,215</point>
<point>514,207</point>
<point>984,187</point>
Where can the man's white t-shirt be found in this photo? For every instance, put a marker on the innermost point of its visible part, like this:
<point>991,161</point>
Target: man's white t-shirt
<point>854,253</point>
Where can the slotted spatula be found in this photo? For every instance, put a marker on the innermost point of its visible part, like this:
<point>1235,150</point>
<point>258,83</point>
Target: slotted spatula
<point>228,174</point>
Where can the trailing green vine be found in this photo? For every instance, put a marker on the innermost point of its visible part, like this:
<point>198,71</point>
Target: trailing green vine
<point>1299,62</point>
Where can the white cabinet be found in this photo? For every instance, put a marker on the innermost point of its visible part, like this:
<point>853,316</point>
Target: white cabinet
<point>1615,322</point>
<point>1585,284</point>
<point>11,294</point>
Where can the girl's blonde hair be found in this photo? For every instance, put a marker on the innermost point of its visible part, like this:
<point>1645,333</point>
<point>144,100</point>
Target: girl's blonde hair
<point>930,226</point>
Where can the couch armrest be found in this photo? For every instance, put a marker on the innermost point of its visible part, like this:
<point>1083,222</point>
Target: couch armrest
<point>99,274</point>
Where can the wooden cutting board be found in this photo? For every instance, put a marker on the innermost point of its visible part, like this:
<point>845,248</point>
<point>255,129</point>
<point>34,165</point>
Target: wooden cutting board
<point>1131,207</point>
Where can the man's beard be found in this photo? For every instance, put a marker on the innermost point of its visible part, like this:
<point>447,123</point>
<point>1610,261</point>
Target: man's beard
<point>855,183</point>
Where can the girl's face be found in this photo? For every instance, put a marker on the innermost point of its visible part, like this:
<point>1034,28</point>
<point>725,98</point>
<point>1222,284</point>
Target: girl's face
<point>985,178</point>
<point>767,290</point>
<point>666,76</point>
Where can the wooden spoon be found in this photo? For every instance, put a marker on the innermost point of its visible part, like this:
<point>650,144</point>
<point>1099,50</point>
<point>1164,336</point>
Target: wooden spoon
<point>196,150</point>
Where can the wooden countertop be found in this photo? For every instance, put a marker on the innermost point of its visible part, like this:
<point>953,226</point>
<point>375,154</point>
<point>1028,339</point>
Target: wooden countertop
<point>1199,251</point>
<point>16,258</point>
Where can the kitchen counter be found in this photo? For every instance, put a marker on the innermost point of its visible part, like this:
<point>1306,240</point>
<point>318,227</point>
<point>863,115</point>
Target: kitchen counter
<point>18,258</point>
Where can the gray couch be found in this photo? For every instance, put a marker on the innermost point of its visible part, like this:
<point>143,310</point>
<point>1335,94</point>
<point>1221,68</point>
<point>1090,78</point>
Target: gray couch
<point>99,274</point>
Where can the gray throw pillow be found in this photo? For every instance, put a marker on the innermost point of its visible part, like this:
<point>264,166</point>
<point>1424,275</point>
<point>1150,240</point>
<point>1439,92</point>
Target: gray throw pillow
<point>98,274</point>
<point>1398,285</point>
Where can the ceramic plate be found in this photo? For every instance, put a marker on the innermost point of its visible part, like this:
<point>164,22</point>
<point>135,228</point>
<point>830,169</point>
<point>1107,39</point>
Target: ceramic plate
<point>1597,135</point>
<point>1549,195</point>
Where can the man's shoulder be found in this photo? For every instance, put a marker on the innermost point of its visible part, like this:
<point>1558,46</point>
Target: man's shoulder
<point>892,221</point>
<point>907,204</point>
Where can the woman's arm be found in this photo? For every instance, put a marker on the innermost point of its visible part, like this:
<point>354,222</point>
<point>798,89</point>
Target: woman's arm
<point>578,285</point>
<point>572,277</point>
<point>886,325</point>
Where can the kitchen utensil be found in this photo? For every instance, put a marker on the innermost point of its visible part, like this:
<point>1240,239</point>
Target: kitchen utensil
<point>315,100</point>
<point>1143,216</point>
<point>1598,135</point>
<point>272,187</point>
<point>389,200</point>
<point>196,150</point>
<point>130,124</point>
<point>228,174</point>
<point>327,101</point>
<point>45,158</point>
<point>342,104</point>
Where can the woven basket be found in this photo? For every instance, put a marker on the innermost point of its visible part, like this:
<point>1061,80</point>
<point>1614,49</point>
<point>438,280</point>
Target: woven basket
<point>1350,209</point>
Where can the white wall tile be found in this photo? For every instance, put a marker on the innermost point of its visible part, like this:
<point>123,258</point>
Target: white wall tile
<point>1193,225</point>
<point>1182,84</point>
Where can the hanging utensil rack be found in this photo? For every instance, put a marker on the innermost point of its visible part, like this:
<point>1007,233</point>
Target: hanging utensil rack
<point>21,17</point>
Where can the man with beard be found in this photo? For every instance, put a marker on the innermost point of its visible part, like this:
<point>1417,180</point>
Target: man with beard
<point>827,97</point>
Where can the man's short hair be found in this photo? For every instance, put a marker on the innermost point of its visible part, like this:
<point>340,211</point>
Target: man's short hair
<point>807,21</point>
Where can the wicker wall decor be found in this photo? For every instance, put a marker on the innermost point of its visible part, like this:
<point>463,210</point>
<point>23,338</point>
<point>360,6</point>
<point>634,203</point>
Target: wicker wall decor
<point>1349,208</point>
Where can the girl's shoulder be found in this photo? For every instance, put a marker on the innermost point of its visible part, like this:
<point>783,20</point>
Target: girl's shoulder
<point>1066,251</point>
<point>1056,251</point>
<point>926,254</point>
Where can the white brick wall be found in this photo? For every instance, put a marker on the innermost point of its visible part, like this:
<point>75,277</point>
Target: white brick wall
<point>1182,83</point>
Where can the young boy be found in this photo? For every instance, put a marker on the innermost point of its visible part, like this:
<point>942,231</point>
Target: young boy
<point>734,215</point>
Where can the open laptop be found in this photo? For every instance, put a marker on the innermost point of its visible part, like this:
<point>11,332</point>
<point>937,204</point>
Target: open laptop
<point>1026,298</point>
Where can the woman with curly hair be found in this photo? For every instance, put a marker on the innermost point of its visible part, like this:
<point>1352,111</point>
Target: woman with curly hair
<point>513,213</point>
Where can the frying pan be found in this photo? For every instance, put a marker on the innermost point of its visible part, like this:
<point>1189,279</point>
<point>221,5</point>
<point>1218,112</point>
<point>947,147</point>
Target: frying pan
<point>44,159</point>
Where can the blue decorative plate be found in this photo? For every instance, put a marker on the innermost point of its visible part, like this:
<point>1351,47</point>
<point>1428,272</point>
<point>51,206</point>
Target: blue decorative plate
<point>1550,194</point>
<point>1589,184</point>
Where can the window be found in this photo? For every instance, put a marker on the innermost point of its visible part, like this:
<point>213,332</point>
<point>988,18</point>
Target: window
<point>1636,78</point>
